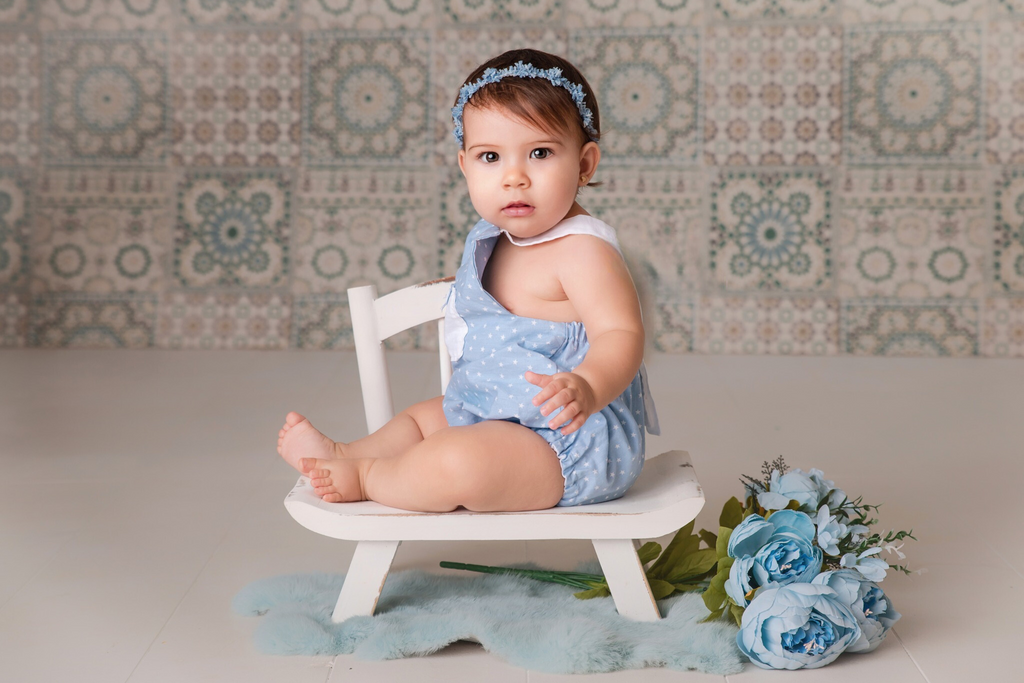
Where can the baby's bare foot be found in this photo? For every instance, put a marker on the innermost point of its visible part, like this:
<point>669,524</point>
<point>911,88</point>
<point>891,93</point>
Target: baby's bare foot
<point>299,439</point>
<point>336,481</point>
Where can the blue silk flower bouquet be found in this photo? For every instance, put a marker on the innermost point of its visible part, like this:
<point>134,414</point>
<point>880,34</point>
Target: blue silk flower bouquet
<point>797,567</point>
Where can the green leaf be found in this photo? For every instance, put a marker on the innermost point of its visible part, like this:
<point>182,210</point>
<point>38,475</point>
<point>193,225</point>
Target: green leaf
<point>594,593</point>
<point>681,545</point>
<point>694,564</point>
<point>715,595</point>
<point>725,564</point>
<point>709,538</point>
<point>688,587</point>
<point>722,545</point>
<point>715,614</point>
<point>648,551</point>
<point>661,589</point>
<point>732,513</point>
<point>737,613</point>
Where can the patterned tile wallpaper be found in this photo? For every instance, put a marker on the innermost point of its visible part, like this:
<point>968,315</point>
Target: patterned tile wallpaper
<point>790,176</point>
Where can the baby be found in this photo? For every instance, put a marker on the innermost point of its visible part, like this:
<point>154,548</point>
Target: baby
<point>547,403</point>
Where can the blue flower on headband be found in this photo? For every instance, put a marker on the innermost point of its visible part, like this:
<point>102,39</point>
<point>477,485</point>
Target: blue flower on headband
<point>520,70</point>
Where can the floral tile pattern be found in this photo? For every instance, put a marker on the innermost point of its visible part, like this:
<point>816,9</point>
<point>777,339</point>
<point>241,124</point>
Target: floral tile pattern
<point>647,84</point>
<point>457,218</point>
<point>226,320</point>
<point>632,13</point>
<point>913,95</point>
<point>912,234</point>
<point>367,15</point>
<point>519,11</point>
<point>19,98</point>
<point>93,321</point>
<point>110,232</point>
<point>366,98</point>
<point>322,322</point>
<point>899,329</point>
<point>237,99</point>
<point>237,11</point>
<point>457,52</point>
<point>1008,233</point>
<point>773,95</point>
<point>105,15</point>
<point>15,213</point>
<point>1002,328</point>
<point>14,318</point>
<point>105,97</point>
<point>799,325</point>
<point>771,231</point>
<point>773,9</point>
<point>363,226</point>
<point>1004,91</point>
<point>657,215</point>
<point>232,229</point>
<point>673,326</point>
<point>912,11</point>
<point>17,11</point>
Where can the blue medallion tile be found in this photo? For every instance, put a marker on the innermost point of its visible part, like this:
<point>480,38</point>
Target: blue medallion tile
<point>322,322</point>
<point>673,325</point>
<point>238,11</point>
<point>232,229</point>
<point>895,328</point>
<point>913,95</point>
<point>14,319</point>
<point>105,97</point>
<point>1008,232</point>
<point>366,98</point>
<point>79,320</point>
<point>15,217</point>
<point>647,86</point>
<point>771,231</point>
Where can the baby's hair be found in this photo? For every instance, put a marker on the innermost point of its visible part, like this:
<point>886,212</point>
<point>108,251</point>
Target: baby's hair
<point>537,101</point>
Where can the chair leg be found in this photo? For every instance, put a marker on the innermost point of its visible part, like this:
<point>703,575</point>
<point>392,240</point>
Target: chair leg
<point>626,579</point>
<point>370,565</point>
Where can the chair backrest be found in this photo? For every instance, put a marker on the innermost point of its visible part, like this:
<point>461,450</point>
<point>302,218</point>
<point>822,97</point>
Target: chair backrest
<point>374,320</point>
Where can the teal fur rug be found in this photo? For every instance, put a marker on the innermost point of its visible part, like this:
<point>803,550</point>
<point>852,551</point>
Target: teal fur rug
<point>534,625</point>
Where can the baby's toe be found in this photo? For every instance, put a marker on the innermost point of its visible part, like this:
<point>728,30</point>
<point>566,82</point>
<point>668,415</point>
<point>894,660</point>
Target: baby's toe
<point>332,498</point>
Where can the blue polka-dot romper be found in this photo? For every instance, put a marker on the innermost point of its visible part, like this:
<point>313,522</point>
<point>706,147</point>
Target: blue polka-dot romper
<point>491,350</point>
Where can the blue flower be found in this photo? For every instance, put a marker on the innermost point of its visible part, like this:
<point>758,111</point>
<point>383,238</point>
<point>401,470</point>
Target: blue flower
<point>786,559</point>
<point>872,608</point>
<point>740,581</point>
<point>871,568</point>
<point>795,485</point>
<point>801,625</point>
<point>830,531</point>
<point>755,531</point>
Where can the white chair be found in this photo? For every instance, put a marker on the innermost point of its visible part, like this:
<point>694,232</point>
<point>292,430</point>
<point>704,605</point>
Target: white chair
<point>664,498</point>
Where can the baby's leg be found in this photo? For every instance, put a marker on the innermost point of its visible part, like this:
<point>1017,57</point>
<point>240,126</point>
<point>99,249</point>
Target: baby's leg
<point>298,438</point>
<point>489,466</point>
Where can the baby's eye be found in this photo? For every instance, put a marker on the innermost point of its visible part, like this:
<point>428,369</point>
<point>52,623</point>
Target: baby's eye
<point>540,153</point>
<point>489,157</point>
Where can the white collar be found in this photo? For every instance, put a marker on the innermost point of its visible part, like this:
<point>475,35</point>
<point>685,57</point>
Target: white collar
<point>576,225</point>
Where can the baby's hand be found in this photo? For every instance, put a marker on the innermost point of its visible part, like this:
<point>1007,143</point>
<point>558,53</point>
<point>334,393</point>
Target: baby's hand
<point>566,390</point>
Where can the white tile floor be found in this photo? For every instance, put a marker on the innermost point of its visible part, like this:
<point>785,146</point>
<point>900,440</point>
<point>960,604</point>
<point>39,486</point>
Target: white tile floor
<point>140,490</point>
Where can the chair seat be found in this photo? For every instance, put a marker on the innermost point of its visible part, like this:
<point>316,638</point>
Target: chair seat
<point>665,497</point>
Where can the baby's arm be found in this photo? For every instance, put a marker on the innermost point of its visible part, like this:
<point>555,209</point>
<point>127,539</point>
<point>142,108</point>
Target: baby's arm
<point>597,283</point>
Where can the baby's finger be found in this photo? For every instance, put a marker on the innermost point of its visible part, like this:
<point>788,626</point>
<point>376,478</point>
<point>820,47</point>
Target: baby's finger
<point>562,398</point>
<point>565,417</point>
<point>576,423</point>
<point>547,392</point>
<point>538,379</point>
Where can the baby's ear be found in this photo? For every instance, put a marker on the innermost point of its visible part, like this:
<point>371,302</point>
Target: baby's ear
<point>462,161</point>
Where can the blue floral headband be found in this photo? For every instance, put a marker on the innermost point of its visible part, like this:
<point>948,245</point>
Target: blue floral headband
<point>520,70</point>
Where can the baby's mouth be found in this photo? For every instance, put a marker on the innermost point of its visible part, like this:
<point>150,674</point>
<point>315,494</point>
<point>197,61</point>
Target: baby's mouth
<point>517,209</point>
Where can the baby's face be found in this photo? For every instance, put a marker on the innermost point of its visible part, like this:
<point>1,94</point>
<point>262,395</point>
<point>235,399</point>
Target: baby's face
<point>520,178</point>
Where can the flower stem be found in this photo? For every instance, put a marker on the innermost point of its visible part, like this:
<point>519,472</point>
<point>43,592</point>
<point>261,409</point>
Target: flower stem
<point>572,579</point>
